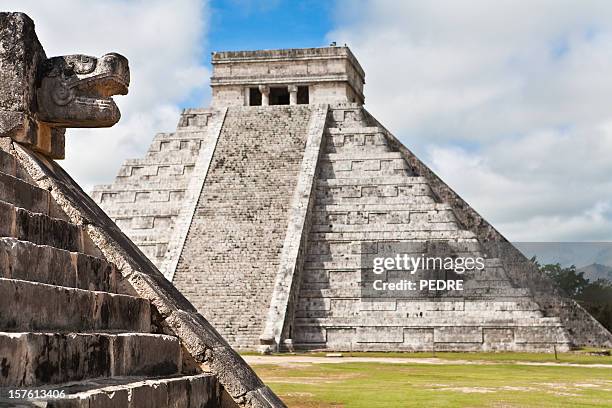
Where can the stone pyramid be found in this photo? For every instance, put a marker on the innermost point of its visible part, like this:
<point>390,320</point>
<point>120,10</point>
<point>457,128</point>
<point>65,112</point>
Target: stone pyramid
<point>86,320</point>
<point>266,209</point>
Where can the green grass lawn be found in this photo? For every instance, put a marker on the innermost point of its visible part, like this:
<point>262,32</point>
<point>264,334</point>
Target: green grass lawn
<point>574,357</point>
<point>501,384</point>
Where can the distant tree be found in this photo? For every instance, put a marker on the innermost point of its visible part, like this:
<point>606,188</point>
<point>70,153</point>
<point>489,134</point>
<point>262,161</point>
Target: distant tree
<point>572,282</point>
<point>595,297</point>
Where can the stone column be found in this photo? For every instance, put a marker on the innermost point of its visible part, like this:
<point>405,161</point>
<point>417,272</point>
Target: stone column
<point>293,89</point>
<point>265,95</point>
<point>247,96</point>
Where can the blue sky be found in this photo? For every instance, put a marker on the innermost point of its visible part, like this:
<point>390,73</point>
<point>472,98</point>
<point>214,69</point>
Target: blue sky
<point>238,25</point>
<point>510,105</point>
<point>254,25</point>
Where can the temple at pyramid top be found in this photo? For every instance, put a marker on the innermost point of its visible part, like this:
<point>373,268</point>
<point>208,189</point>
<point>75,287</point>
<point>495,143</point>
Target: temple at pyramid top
<point>293,76</point>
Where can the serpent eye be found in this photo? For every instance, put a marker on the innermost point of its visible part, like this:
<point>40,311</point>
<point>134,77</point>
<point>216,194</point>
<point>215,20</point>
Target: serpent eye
<point>84,64</point>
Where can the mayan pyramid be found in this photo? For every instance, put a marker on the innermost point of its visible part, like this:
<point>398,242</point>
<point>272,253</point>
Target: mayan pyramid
<point>86,320</point>
<point>265,208</point>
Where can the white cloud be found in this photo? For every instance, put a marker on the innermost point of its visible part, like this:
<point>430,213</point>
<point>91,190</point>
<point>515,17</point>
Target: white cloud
<point>163,42</point>
<point>509,101</point>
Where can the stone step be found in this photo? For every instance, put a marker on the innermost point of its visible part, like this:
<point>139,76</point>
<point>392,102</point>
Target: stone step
<point>374,200</point>
<point>352,148</point>
<point>156,235</point>
<point>155,209</point>
<point>10,166</point>
<point>192,391</point>
<point>355,291</point>
<point>45,264</point>
<point>357,130</point>
<point>423,316</point>
<point>178,178</point>
<point>161,160</point>
<point>360,156</point>
<point>178,153</point>
<point>31,359</point>
<point>357,139</point>
<point>380,191</point>
<point>486,346</point>
<point>391,321</point>
<point>141,198</point>
<point>180,134</point>
<point>25,195</point>
<point>371,227</point>
<point>416,306</point>
<point>391,235</point>
<point>33,306</point>
<point>359,170</point>
<point>349,117</point>
<point>42,229</point>
<point>376,207</point>
<point>138,188</point>
<point>373,181</point>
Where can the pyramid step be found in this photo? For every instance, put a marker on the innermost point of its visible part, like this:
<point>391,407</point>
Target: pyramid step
<point>25,195</point>
<point>175,154</point>
<point>355,291</point>
<point>361,156</point>
<point>373,181</point>
<point>370,227</point>
<point>391,235</point>
<point>374,207</point>
<point>356,130</point>
<point>138,210</point>
<point>358,190</point>
<point>352,148</point>
<point>31,359</point>
<point>160,160</point>
<point>40,263</point>
<point>428,317</point>
<point>193,391</point>
<point>179,179</point>
<point>136,188</point>
<point>461,320</point>
<point>33,306</point>
<point>373,200</point>
<point>42,229</point>
<point>364,169</point>
<point>10,166</point>
<point>348,117</point>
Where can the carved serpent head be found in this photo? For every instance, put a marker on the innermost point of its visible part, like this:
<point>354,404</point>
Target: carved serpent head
<point>75,90</point>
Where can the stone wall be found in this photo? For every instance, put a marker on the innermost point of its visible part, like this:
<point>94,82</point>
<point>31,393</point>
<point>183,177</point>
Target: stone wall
<point>231,255</point>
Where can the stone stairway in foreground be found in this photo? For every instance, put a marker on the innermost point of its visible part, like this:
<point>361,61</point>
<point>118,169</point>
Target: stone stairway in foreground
<point>368,201</point>
<point>69,322</point>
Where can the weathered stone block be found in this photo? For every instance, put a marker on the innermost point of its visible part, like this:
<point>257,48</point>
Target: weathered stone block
<point>458,334</point>
<point>28,306</point>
